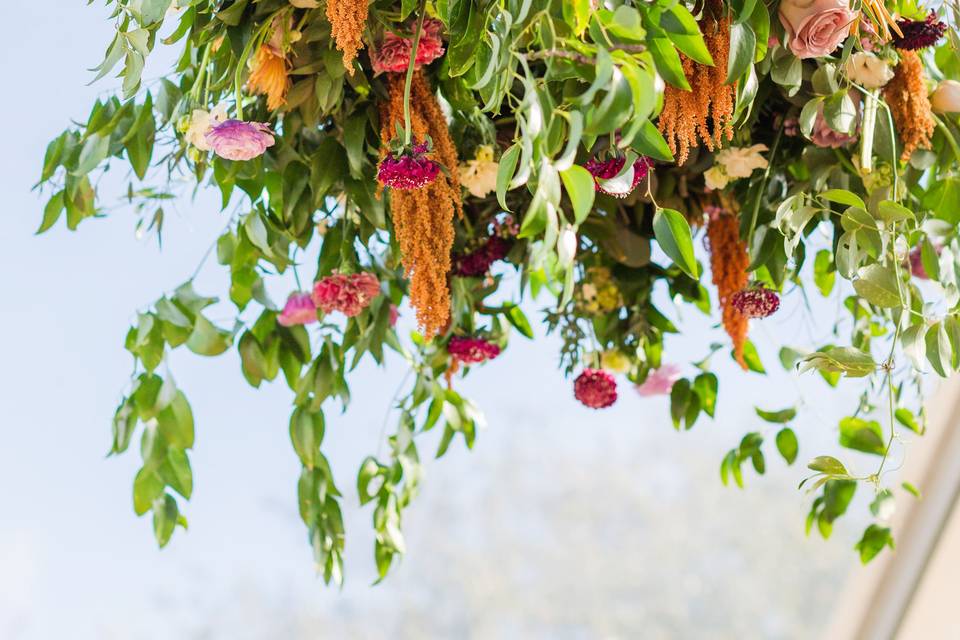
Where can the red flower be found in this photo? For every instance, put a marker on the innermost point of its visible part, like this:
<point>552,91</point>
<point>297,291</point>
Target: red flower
<point>595,388</point>
<point>409,170</point>
<point>755,302</point>
<point>605,170</point>
<point>347,293</point>
<point>472,350</point>
<point>394,52</point>
<point>919,34</point>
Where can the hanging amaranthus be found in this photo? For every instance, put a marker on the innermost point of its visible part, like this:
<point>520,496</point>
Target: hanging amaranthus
<point>907,97</point>
<point>705,112</point>
<point>423,218</point>
<point>728,264</point>
<point>348,18</point>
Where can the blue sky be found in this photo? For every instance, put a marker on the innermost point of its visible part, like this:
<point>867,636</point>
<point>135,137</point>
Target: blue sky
<point>75,561</point>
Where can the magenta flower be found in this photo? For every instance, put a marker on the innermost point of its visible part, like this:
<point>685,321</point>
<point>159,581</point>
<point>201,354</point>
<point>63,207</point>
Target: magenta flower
<point>409,170</point>
<point>472,350</point>
<point>604,170</point>
<point>299,309</point>
<point>595,388</point>
<point>660,381</point>
<point>756,302</point>
<point>916,262</point>
<point>476,263</point>
<point>394,52</point>
<point>347,293</point>
<point>238,140</point>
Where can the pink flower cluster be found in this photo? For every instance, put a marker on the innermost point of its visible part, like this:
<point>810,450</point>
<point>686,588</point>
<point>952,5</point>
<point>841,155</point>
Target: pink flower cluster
<point>660,381</point>
<point>347,293</point>
<point>595,388</point>
<point>472,350</point>
<point>603,170</point>
<point>393,55</point>
<point>756,302</point>
<point>239,140</point>
<point>410,170</point>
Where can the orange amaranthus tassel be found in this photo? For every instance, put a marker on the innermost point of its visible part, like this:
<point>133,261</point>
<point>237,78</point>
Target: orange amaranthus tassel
<point>348,19</point>
<point>269,75</point>
<point>906,95</point>
<point>728,264</point>
<point>706,112</point>
<point>423,218</point>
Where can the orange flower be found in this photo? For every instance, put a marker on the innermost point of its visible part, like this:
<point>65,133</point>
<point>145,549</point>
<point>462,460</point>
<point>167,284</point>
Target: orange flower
<point>728,264</point>
<point>907,97</point>
<point>269,76</point>
<point>348,19</point>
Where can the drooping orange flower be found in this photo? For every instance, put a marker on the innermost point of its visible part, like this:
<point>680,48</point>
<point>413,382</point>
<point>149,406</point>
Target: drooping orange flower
<point>728,264</point>
<point>423,218</point>
<point>704,114</point>
<point>269,75</point>
<point>906,95</point>
<point>348,19</point>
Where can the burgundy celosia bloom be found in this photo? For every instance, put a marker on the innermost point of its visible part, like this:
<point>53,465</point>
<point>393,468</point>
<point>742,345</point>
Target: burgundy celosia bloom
<point>755,302</point>
<point>393,54</point>
<point>916,261</point>
<point>477,263</point>
<point>347,293</point>
<point>299,309</point>
<point>595,388</point>
<point>239,140</point>
<point>410,170</point>
<point>472,350</point>
<point>603,170</point>
<point>919,34</point>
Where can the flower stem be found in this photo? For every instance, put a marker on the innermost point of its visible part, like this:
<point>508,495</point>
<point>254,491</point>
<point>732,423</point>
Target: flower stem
<point>866,134</point>
<point>410,67</point>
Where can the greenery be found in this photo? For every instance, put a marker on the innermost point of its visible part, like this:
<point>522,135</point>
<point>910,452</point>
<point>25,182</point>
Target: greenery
<point>832,190</point>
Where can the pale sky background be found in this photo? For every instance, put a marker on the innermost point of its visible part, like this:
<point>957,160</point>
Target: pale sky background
<point>563,523</point>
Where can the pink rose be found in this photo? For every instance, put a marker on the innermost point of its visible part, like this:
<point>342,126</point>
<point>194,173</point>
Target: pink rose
<point>815,27</point>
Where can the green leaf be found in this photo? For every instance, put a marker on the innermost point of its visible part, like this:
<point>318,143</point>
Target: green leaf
<point>518,319</point>
<point>846,360</point>
<point>147,487</point>
<point>667,61</point>
<point>505,171</point>
<point>207,340</point>
<point>874,540</point>
<point>907,419</point>
<point>93,152</point>
<point>579,185</point>
<point>787,444</point>
<point>824,273</point>
<point>706,385</point>
<point>842,196</point>
<point>673,234</point>
<point>743,44</point>
<point>165,514</point>
<point>862,435</point>
<point>828,465</point>
<point>679,399</point>
<point>176,422</point>
<point>306,434</point>
<point>177,472</point>
<point>777,417</point>
<point>51,212</point>
<point>878,285</point>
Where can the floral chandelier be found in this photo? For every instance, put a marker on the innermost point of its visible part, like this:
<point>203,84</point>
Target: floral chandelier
<point>422,150</point>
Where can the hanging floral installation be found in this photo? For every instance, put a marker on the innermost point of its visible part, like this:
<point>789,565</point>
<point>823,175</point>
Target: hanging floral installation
<point>472,159</point>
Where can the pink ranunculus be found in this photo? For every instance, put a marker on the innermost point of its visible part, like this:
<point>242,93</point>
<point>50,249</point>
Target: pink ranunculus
<point>815,28</point>
<point>823,136</point>
<point>347,293</point>
<point>393,54</point>
<point>238,140</point>
<point>660,381</point>
<point>298,310</point>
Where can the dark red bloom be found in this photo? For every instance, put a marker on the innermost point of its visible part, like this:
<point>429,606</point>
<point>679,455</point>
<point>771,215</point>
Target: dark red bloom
<point>477,263</point>
<point>595,388</point>
<point>919,34</point>
<point>603,170</point>
<point>755,302</point>
<point>472,350</point>
<point>411,169</point>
